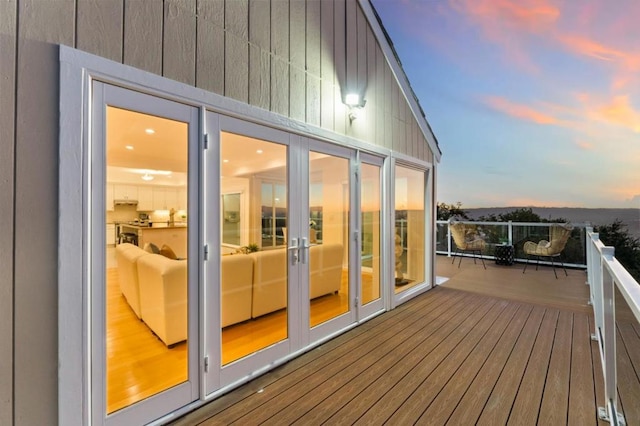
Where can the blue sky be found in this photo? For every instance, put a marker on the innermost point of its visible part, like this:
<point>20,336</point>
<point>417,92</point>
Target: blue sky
<point>533,102</point>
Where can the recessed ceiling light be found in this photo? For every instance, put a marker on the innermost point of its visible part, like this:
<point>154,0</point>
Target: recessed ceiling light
<point>149,131</point>
<point>129,147</point>
<point>259,151</point>
<point>147,177</point>
<point>225,161</point>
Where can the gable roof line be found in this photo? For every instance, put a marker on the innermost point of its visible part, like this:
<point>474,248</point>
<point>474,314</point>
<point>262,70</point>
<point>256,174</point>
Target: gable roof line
<point>401,77</point>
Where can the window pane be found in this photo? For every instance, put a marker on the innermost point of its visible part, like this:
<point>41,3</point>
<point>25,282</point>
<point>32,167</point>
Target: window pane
<point>328,235</point>
<point>371,227</point>
<point>254,265</point>
<point>409,227</point>
<point>146,310</point>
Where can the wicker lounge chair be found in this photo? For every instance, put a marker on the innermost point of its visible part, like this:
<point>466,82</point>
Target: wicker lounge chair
<point>558,237</point>
<point>467,239</point>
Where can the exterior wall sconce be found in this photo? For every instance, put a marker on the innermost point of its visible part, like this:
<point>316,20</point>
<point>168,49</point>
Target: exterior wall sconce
<point>355,104</point>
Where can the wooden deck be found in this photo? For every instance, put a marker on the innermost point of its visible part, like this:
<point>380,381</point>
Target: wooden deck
<point>449,356</point>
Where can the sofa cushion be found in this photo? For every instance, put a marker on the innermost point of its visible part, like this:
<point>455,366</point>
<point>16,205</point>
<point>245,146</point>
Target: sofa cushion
<point>163,296</point>
<point>269,281</point>
<point>236,288</point>
<point>127,256</point>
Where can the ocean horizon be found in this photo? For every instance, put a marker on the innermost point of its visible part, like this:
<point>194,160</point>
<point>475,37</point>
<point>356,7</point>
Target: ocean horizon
<point>595,216</point>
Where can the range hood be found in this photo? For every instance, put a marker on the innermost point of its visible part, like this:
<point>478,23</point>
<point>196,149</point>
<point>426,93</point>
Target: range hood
<point>126,202</point>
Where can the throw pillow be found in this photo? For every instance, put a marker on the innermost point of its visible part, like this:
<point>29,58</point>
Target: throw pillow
<point>151,248</point>
<point>166,251</point>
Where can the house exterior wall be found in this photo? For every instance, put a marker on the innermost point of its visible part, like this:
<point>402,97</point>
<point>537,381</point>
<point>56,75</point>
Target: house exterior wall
<point>292,57</point>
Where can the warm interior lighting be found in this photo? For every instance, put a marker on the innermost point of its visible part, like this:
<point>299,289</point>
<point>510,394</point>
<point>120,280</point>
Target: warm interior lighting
<point>129,147</point>
<point>150,131</point>
<point>259,151</point>
<point>147,177</point>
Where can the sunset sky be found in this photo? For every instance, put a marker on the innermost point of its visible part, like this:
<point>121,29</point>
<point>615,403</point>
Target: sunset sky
<point>533,102</point>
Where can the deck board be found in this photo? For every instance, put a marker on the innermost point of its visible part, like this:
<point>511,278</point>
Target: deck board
<point>445,357</point>
<point>525,409</point>
<point>581,387</point>
<point>556,394</point>
<point>356,396</point>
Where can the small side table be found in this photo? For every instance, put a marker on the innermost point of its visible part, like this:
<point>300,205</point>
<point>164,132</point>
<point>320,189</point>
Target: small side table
<point>504,254</point>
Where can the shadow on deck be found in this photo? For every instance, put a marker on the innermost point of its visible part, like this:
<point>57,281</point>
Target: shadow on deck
<point>454,355</point>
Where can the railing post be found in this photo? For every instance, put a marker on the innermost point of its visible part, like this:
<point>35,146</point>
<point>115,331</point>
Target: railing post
<point>608,336</point>
<point>448,239</point>
<point>510,231</point>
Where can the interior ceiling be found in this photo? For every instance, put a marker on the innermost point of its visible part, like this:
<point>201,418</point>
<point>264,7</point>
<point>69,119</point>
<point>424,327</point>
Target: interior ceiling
<point>166,150</point>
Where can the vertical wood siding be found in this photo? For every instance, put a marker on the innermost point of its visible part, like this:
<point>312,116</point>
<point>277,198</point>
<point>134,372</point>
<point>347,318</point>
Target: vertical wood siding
<point>211,39</point>
<point>142,40</point>
<point>179,41</point>
<point>259,57</point>
<point>280,57</point>
<point>295,58</point>
<point>7,149</point>
<point>41,24</point>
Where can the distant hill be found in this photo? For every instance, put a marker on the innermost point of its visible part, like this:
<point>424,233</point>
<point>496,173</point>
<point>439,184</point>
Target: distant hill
<point>630,217</point>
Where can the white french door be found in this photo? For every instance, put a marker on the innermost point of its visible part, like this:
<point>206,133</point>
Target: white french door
<point>144,319</point>
<point>287,265</point>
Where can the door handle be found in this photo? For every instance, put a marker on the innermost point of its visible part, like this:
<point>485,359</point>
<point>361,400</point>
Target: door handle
<point>305,249</point>
<point>296,251</point>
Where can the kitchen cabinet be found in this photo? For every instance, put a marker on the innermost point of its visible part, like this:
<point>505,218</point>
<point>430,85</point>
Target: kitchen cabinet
<point>125,192</point>
<point>145,198</point>
<point>165,198</point>
<point>109,197</point>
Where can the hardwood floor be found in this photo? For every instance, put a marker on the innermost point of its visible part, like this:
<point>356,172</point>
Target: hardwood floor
<point>139,365</point>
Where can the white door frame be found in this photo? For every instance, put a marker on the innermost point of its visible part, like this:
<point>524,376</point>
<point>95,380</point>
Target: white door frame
<point>171,399</point>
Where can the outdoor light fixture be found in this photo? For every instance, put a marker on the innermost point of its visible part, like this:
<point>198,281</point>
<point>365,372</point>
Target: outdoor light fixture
<point>352,100</point>
<point>355,104</point>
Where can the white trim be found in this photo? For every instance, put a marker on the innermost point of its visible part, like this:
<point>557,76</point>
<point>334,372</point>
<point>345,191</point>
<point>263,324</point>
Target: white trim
<point>77,69</point>
<point>401,77</point>
<point>73,385</point>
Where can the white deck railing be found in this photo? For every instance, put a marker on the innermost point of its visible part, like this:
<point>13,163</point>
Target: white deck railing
<point>606,276</point>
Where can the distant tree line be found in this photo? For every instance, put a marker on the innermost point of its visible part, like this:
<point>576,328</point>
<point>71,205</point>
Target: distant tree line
<point>627,247</point>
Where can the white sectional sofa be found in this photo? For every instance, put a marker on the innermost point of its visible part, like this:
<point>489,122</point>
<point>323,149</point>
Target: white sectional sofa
<point>126,258</point>
<point>252,285</point>
<point>163,296</point>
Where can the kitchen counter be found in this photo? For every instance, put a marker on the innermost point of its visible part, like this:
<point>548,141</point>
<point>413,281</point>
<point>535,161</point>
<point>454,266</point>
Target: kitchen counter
<point>174,236</point>
<point>156,225</point>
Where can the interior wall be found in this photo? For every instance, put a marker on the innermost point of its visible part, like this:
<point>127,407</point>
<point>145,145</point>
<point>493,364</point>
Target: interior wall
<point>298,68</point>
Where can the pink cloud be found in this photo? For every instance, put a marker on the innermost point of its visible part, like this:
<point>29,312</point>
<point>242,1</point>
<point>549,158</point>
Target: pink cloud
<point>531,15</point>
<point>520,111</point>
<point>508,23</point>
<point>619,112</point>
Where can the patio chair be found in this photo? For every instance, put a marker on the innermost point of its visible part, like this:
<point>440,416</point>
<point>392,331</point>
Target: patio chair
<point>467,239</point>
<point>558,237</point>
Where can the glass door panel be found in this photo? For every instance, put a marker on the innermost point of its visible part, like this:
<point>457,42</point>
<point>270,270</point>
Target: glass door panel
<point>146,312</point>
<point>409,237</point>
<point>329,227</point>
<point>371,231</point>
<point>253,265</point>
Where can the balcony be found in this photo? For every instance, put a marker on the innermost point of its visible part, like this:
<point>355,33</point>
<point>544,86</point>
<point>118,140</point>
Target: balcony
<point>492,346</point>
